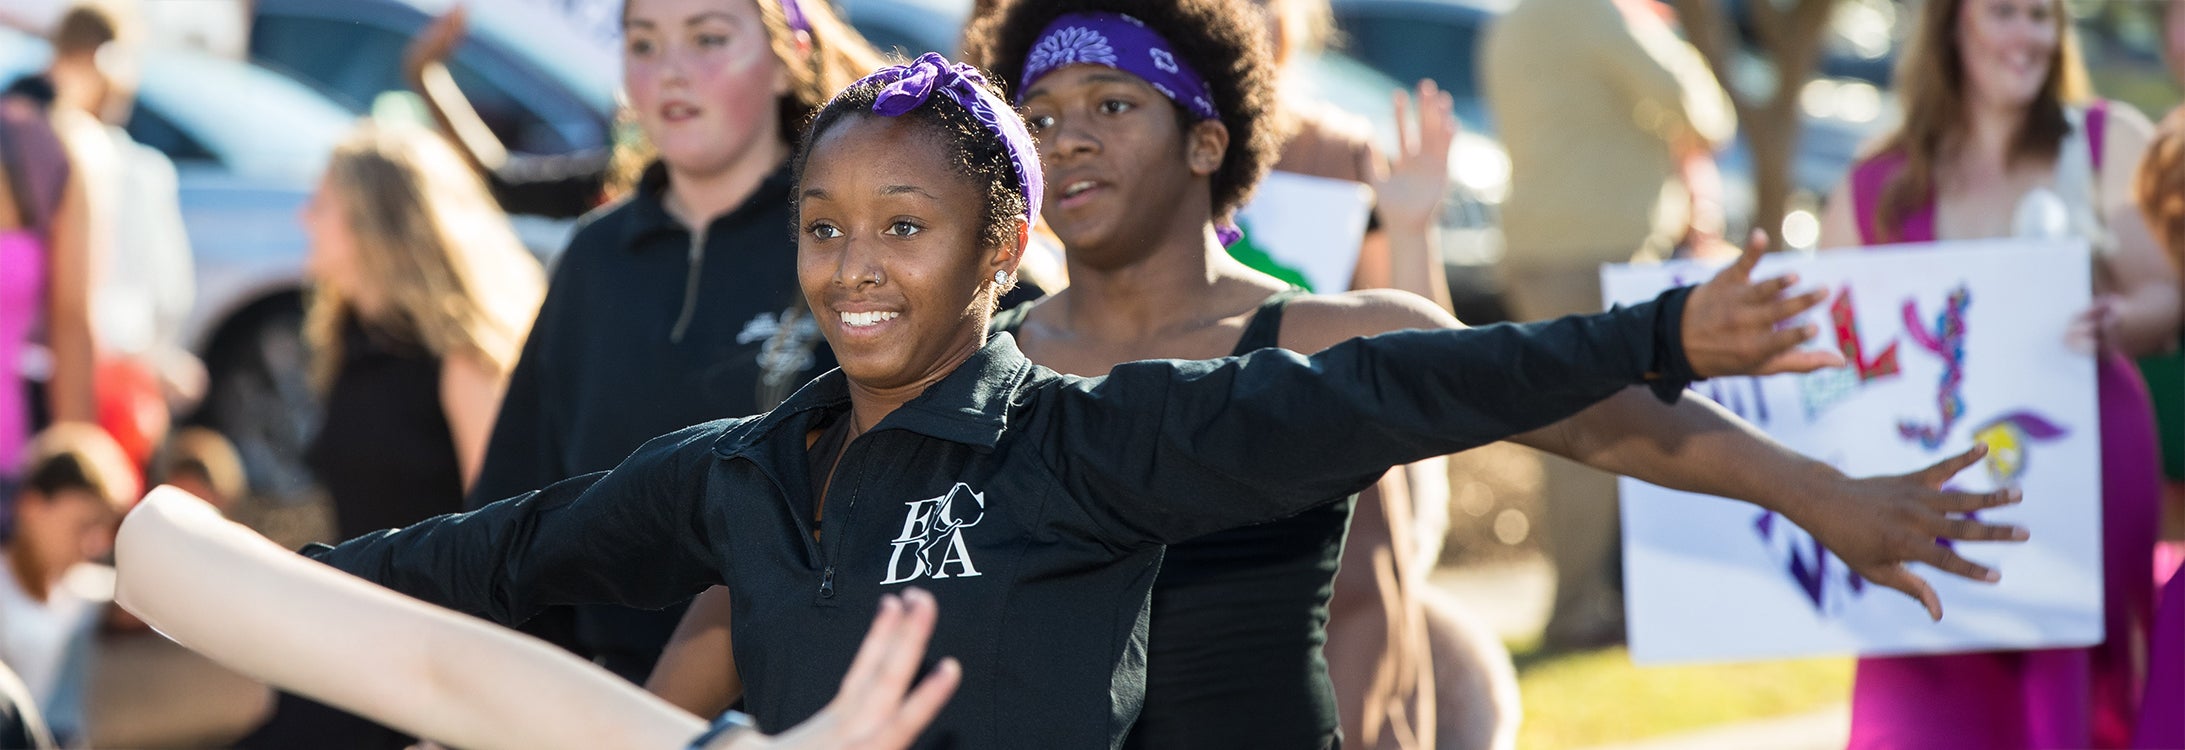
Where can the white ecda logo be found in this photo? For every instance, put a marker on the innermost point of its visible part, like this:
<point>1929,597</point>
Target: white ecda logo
<point>932,542</point>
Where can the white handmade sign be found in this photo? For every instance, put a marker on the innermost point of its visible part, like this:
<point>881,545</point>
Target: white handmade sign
<point>1310,229</point>
<point>1946,344</point>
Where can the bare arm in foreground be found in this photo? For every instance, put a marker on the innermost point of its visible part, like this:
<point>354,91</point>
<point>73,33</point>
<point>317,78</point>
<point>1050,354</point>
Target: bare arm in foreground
<point>223,591</point>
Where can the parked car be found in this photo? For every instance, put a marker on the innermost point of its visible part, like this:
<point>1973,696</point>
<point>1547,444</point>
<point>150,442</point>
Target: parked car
<point>909,27</point>
<point>248,145</point>
<point>540,86</point>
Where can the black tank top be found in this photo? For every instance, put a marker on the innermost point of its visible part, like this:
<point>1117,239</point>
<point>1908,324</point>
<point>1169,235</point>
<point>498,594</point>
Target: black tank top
<point>1233,654</point>
<point>384,453</point>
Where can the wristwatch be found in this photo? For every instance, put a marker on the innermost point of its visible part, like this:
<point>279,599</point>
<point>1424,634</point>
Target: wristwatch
<point>730,725</point>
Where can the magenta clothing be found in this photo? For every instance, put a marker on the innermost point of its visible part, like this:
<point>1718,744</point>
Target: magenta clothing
<point>34,162</point>
<point>36,169</point>
<point>2063,698</point>
<point>22,299</point>
<point>2162,711</point>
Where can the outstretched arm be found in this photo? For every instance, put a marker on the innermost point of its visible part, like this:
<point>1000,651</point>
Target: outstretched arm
<point>230,594</point>
<point>641,535</point>
<point>1282,432</point>
<point>223,591</point>
<point>1876,524</point>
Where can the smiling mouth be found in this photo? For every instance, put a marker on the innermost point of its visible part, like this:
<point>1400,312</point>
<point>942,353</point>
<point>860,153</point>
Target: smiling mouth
<point>868,319</point>
<point>1077,188</point>
<point>678,112</point>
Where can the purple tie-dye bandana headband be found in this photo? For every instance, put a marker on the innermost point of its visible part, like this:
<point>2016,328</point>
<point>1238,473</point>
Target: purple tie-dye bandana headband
<point>1124,43</point>
<point>1121,42</point>
<point>911,85</point>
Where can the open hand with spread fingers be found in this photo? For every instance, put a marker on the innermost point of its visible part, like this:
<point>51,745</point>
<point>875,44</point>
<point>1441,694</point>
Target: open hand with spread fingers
<point>1734,325</point>
<point>1418,172</point>
<point>1878,524</point>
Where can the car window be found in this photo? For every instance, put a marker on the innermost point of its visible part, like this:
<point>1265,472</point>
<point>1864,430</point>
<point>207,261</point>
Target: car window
<point>152,129</point>
<point>1409,48</point>
<point>890,38</point>
<point>356,62</point>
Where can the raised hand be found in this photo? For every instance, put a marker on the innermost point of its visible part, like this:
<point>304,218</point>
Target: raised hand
<point>1734,325</point>
<point>1419,172</point>
<point>437,40</point>
<point>1878,524</point>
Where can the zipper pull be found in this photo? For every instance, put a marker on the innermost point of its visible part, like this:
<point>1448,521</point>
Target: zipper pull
<point>827,583</point>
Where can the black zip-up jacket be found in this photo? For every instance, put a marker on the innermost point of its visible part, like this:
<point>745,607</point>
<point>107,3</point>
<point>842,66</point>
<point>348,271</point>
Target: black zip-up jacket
<point>649,328</point>
<point>1033,505</point>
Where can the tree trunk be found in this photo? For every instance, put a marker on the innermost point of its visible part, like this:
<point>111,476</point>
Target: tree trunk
<point>1772,131</point>
<point>1790,37</point>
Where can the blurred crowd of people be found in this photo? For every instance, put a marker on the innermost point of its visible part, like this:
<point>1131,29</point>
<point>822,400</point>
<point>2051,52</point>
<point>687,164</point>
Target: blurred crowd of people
<point>454,370</point>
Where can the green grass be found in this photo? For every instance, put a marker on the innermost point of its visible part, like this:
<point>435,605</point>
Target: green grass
<point>1600,697</point>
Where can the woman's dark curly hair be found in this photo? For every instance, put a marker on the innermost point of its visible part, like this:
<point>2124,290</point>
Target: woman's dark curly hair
<point>975,151</point>
<point>1224,40</point>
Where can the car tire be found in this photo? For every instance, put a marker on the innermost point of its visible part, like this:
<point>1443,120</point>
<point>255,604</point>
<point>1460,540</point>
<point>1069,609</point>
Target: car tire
<point>260,396</point>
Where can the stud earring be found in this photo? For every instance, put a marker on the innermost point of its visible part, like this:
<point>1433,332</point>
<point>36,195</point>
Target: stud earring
<point>1001,278</point>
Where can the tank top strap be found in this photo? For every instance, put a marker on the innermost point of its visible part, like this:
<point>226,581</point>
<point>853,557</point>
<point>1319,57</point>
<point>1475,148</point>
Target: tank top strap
<point>1265,330</point>
<point>1008,321</point>
<point>2097,130</point>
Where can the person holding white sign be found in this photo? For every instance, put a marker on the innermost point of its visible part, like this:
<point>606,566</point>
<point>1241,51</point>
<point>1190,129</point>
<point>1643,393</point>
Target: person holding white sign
<point>2001,138</point>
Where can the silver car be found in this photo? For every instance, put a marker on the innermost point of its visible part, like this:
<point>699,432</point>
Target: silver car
<point>248,146</point>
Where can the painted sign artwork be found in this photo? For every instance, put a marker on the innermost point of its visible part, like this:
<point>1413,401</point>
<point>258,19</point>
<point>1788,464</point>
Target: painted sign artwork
<point>1945,345</point>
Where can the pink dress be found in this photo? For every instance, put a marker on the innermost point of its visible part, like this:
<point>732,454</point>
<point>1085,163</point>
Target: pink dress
<point>2063,698</point>
<point>22,299</point>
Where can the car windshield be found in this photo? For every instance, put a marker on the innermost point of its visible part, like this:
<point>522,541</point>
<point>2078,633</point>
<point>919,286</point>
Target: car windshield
<point>908,27</point>
<point>1349,85</point>
<point>1423,40</point>
<point>586,65</point>
<point>290,129</point>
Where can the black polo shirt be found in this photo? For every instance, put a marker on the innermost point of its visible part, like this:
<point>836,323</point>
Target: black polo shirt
<point>1032,504</point>
<point>646,329</point>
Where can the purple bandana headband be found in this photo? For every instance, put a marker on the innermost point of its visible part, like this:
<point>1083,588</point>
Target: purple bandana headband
<point>911,85</point>
<point>1124,43</point>
<point>794,13</point>
<point>1121,42</point>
